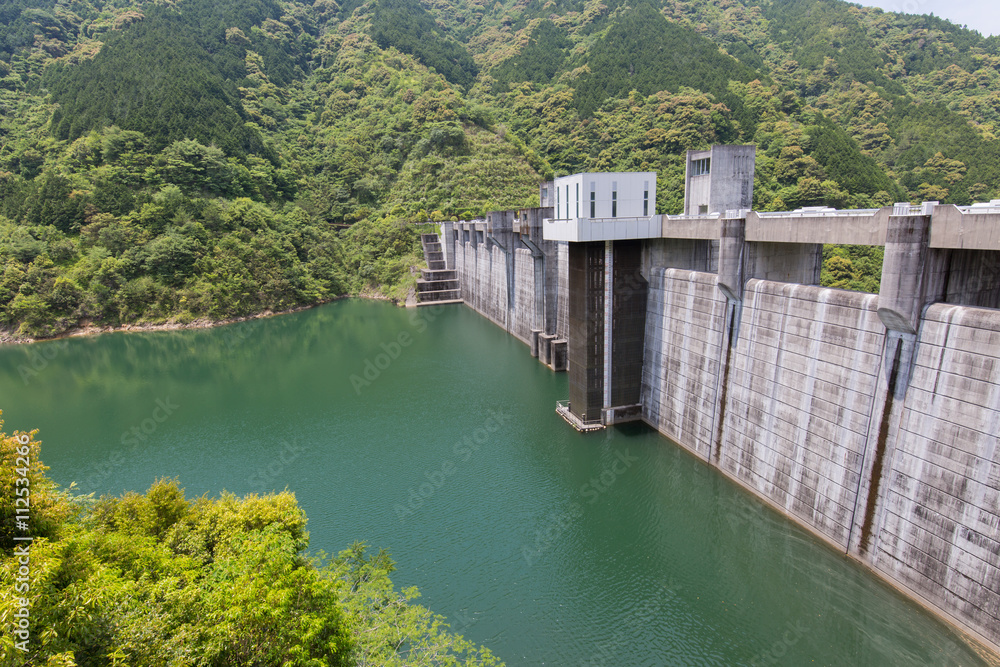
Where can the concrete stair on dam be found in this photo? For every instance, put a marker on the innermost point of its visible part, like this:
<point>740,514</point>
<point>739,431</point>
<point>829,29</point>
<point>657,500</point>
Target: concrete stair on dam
<point>437,284</point>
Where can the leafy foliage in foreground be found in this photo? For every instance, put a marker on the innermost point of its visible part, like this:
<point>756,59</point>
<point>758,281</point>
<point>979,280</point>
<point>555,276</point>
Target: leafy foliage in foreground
<point>158,579</point>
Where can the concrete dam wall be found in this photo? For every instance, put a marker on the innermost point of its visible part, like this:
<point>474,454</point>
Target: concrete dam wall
<point>883,442</point>
<point>871,419</point>
<point>800,400</point>
<point>684,349</point>
<point>938,522</point>
<point>509,274</point>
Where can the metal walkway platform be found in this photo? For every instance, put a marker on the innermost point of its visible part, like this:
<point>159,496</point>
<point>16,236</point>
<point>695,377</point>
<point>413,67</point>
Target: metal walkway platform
<point>562,409</point>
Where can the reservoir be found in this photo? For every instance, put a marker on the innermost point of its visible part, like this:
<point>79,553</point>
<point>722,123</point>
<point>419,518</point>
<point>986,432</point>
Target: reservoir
<point>433,434</point>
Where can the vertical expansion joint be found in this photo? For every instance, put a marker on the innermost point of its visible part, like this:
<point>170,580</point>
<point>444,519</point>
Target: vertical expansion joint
<point>880,447</point>
<point>731,307</point>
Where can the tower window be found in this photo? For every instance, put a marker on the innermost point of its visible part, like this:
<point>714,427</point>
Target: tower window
<point>614,199</point>
<point>701,167</point>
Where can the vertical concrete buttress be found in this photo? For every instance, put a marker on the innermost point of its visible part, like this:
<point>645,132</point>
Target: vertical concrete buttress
<point>910,280</point>
<point>904,272</point>
<point>731,246</point>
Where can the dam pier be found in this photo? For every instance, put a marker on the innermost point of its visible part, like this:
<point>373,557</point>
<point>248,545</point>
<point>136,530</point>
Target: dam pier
<point>870,419</point>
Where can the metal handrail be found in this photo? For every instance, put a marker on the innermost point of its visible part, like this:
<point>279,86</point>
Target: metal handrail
<point>834,213</point>
<point>694,216</point>
<point>990,207</point>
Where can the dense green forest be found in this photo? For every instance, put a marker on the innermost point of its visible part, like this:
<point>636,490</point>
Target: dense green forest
<point>161,579</point>
<point>206,159</point>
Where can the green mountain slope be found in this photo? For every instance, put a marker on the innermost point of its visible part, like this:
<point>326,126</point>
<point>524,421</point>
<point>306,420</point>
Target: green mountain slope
<point>643,51</point>
<point>159,80</point>
<point>407,26</point>
<point>214,159</point>
<point>541,58</point>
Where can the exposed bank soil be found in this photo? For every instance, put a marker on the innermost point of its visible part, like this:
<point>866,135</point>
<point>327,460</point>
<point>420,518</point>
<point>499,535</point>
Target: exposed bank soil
<point>10,337</point>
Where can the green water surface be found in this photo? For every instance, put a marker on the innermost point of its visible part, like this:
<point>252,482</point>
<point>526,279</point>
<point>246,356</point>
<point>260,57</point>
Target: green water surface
<point>433,434</point>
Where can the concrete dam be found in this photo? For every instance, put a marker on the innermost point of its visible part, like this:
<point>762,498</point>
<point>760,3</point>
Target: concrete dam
<point>870,419</point>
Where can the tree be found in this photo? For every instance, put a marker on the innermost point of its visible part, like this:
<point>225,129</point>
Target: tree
<point>171,257</point>
<point>839,272</point>
<point>48,508</point>
<point>929,192</point>
<point>195,168</point>
<point>53,201</point>
<point>794,164</point>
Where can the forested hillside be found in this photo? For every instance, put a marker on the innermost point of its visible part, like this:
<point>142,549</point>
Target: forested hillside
<point>213,159</point>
